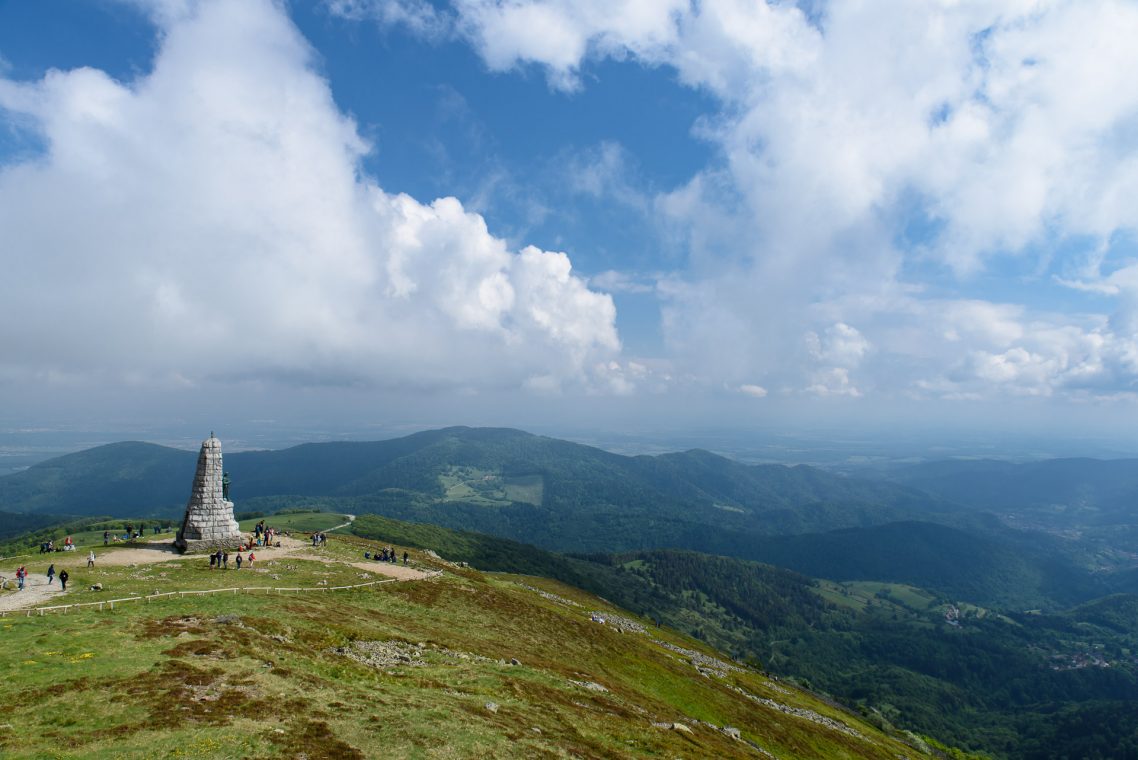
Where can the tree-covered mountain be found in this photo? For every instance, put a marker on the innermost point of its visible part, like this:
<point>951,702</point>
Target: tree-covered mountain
<point>14,524</point>
<point>1062,490</point>
<point>460,469</point>
<point>997,568</point>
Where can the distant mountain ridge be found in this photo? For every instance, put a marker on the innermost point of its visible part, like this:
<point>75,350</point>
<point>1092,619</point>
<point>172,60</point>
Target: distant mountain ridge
<point>692,487</point>
<point>1098,488</point>
<point>569,497</point>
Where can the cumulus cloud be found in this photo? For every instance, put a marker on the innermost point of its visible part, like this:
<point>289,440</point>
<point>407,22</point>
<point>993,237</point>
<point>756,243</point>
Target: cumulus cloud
<point>210,220</point>
<point>861,147</point>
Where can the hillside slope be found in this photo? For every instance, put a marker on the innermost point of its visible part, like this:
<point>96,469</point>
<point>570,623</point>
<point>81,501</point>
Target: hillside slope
<point>464,665</point>
<point>977,679</point>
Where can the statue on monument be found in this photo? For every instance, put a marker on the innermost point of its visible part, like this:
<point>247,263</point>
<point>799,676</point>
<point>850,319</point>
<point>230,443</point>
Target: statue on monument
<point>209,524</point>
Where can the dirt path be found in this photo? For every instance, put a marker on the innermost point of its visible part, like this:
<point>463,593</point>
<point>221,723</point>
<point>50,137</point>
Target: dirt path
<point>36,591</point>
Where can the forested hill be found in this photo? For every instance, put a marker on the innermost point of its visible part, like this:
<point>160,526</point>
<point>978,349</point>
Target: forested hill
<point>470,472</point>
<point>1107,487</point>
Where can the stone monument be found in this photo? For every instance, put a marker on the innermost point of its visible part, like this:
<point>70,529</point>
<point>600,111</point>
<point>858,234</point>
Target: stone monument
<point>209,524</point>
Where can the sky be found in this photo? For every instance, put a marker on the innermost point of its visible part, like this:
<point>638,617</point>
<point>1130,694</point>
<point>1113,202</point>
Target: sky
<point>570,215</point>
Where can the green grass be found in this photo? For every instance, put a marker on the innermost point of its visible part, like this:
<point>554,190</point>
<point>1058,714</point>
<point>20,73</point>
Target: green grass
<point>258,676</point>
<point>527,489</point>
<point>471,485</point>
<point>303,522</point>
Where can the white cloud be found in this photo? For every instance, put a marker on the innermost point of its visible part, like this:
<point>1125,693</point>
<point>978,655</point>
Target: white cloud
<point>210,220</point>
<point>859,151</point>
<point>418,16</point>
<point>558,34</point>
<point>611,281</point>
<point>755,391</point>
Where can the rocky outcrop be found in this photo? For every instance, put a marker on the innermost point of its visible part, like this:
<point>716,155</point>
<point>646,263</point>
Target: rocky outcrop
<point>209,524</point>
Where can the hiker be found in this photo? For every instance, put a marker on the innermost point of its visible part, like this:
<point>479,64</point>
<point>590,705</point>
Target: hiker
<point>106,537</point>
<point>225,560</point>
<point>63,576</point>
<point>212,561</point>
<point>91,558</point>
<point>251,558</point>
<point>239,560</point>
<point>21,573</point>
<point>404,558</point>
<point>50,574</point>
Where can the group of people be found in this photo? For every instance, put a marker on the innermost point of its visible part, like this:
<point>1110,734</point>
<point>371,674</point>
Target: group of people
<point>388,554</point>
<point>22,577</point>
<point>263,536</point>
<point>319,539</point>
<point>49,546</point>
<point>129,533</point>
<point>220,559</point>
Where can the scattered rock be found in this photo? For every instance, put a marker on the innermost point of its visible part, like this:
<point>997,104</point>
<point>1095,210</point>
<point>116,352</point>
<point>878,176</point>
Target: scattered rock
<point>550,597</point>
<point>515,661</point>
<point>536,730</point>
<point>801,712</point>
<point>621,624</point>
<point>673,726</point>
<point>706,665</point>
<point>229,620</point>
<point>382,654</point>
<point>492,706</point>
<point>96,586</point>
<point>590,685</point>
<point>732,732</point>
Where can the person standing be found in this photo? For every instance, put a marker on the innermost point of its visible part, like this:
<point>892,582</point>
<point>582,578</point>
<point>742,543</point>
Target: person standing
<point>21,573</point>
<point>63,576</point>
<point>238,560</point>
<point>91,558</point>
<point>50,574</point>
<point>225,560</point>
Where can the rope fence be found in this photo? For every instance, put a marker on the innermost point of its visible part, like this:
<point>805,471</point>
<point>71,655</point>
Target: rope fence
<point>110,603</point>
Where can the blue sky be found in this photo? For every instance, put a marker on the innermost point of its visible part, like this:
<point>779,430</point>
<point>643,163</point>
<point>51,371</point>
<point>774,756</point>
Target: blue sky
<point>543,212</point>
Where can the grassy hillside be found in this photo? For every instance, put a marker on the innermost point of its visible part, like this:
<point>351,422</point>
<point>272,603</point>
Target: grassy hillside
<point>464,665</point>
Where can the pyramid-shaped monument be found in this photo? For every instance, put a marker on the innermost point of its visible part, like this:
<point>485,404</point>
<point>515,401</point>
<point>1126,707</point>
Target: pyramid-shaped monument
<point>209,524</point>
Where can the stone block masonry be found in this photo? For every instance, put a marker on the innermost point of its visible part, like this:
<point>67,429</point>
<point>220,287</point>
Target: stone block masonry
<point>209,524</point>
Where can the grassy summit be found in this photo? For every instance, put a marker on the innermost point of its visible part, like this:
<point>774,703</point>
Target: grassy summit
<point>411,668</point>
